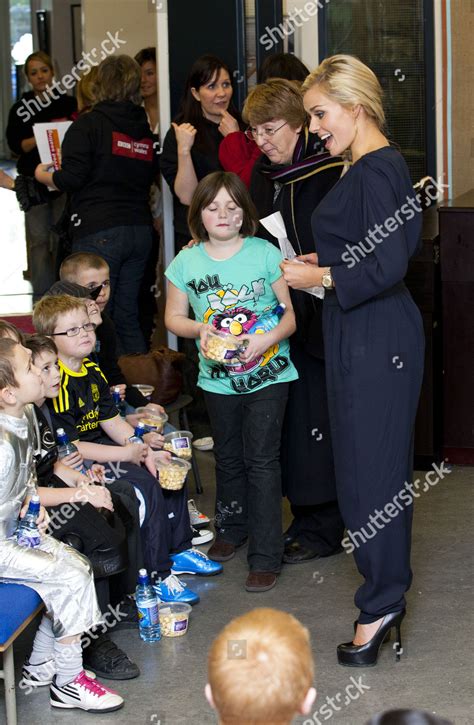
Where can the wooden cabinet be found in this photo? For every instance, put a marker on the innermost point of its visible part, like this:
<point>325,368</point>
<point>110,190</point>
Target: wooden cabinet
<point>456,234</point>
<point>423,279</point>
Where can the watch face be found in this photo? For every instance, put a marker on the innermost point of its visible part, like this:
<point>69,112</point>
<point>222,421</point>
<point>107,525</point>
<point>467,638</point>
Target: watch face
<point>327,281</point>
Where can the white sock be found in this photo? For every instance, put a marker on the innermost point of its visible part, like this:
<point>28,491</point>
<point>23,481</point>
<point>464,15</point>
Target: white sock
<point>43,645</point>
<point>68,661</point>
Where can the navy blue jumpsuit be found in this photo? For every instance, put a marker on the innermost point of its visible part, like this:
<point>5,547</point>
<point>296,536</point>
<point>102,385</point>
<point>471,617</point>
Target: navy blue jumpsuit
<point>366,229</point>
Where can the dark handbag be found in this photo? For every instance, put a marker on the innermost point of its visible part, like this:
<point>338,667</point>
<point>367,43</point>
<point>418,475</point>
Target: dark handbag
<point>160,368</point>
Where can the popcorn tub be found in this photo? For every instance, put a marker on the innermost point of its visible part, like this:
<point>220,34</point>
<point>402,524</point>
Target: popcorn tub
<point>223,347</point>
<point>173,474</point>
<point>153,419</point>
<point>174,618</point>
<point>178,443</point>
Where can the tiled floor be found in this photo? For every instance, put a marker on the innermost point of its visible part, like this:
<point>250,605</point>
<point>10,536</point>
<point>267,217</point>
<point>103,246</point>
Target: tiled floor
<point>436,671</point>
<point>15,292</point>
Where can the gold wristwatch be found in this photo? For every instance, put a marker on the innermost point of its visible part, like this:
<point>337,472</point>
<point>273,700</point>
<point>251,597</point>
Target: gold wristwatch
<point>327,280</point>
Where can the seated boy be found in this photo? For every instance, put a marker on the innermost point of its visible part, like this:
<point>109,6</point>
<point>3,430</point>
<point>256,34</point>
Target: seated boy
<point>60,484</point>
<point>260,670</point>
<point>86,411</point>
<point>91,271</point>
<point>61,576</point>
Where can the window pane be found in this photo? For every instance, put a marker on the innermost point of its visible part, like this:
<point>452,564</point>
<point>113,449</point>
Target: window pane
<point>389,37</point>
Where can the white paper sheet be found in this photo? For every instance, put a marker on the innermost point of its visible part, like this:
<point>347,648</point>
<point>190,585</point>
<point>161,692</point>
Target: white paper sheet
<point>276,226</point>
<point>49,137</point>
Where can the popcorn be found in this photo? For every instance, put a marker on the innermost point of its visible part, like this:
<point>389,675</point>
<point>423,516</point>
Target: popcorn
<point>172,475</point>
<point>223,347</point>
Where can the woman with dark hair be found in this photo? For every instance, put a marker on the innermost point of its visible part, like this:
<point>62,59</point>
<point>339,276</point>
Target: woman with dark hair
<point>109,161</point>
<point>191,146</point>
<point>282,65</point>
<point>38,106</point>
<point>146,59</point>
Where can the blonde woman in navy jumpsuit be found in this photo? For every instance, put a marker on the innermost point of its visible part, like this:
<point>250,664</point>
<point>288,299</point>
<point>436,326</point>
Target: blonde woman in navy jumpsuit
<point>365,230</point>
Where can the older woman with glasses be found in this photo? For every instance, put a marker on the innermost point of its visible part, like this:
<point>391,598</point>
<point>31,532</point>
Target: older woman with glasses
<point>292,176</point>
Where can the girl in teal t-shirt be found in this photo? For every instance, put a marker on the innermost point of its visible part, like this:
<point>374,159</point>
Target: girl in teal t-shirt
<point>230,279</point>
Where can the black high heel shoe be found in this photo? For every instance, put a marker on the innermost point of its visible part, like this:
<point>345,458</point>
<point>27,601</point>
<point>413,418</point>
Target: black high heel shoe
<point>387,637</point>
<point>365,655</point>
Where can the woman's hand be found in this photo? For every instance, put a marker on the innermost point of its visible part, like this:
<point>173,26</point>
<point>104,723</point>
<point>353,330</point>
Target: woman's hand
<point>192,243</point>
<point>311,258</point>
<point>257,344</point>
<point>301,275</point>
<point>228,124</point>
<point>185,136</point>
<point>6,181</point>
<point>44,174</point>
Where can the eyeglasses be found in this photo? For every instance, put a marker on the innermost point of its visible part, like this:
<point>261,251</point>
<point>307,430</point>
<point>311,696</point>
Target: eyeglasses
<point>102,285</point>
<point>73,331</point>
<point>253,134</point>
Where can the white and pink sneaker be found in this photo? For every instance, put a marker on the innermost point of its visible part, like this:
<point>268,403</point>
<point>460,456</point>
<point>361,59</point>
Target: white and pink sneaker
<point>85,694</point>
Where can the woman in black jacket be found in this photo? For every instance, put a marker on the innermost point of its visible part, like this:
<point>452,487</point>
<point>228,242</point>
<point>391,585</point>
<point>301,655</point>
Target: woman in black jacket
<point>109,160</point>
<point>191,146</point>
<point>39,105</point>
<point>292,176</point>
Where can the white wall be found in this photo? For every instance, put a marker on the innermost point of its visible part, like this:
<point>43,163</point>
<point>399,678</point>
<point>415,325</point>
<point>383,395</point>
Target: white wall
<point>137,25</point>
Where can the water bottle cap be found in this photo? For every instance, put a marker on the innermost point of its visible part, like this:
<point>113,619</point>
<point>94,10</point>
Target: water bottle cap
<point>142,572</point>
<point>35,498</point>
<point>116,389</point>
<point>60,431</point>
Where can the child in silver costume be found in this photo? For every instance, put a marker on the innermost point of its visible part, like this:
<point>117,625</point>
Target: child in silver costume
<point>61,576</point>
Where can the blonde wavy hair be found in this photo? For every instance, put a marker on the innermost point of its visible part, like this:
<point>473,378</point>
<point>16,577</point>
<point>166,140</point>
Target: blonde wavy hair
<point>348,81</point>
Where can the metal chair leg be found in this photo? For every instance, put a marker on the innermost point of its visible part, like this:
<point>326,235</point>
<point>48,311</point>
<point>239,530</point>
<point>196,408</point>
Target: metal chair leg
<point>9,677</point>
<point>183,419</point>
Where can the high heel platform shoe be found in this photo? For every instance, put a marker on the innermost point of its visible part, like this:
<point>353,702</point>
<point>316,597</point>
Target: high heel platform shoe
<point>387,637</point>
<point>365,655</point>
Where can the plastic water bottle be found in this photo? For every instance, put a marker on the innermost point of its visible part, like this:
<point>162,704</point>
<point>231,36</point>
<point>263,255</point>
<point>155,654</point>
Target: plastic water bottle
<point>118,401</point>
<point>269,320</point>
<point>147,607</point>
<point>137,437</point>
<point>65,448</point>
<point>27,533</point>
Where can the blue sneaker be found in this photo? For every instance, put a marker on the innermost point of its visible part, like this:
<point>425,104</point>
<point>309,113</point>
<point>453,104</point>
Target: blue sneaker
<point>193,561</point>
<point>172,589</point>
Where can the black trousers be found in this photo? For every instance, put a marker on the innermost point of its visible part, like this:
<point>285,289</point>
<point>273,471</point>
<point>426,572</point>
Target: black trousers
<point>247,434</point>
<point>319,527</point>
<point>165,527</point>
<point>374,370</point>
